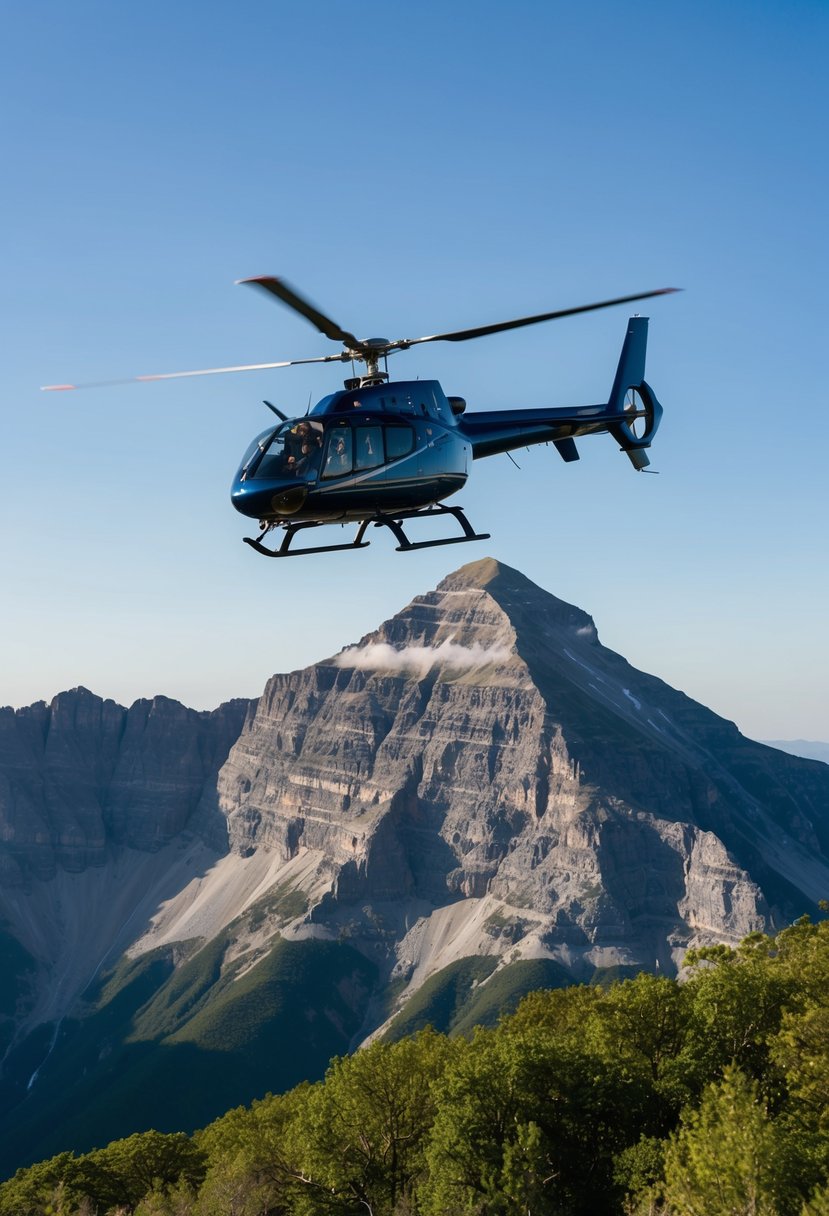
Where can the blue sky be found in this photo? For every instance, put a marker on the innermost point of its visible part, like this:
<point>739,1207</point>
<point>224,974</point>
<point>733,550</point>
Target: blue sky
<point>414,169</point>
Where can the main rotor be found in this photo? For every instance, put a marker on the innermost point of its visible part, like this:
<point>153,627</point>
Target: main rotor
<point>369,351</point>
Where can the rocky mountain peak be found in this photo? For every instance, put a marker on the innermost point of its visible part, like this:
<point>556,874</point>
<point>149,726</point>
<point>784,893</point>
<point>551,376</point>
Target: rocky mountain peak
<point>479,574</point>
<point>514,593</point>
<point>482,754</point>
<point>484,617</point>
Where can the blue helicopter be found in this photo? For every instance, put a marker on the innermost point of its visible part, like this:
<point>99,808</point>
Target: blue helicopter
<point>382,452</point>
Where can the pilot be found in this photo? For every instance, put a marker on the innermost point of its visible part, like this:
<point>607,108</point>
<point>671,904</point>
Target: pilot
<point>301,445</point>
<point>303,462</point>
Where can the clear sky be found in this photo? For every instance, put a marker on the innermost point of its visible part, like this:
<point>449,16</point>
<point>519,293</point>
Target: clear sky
<point>414,168</point>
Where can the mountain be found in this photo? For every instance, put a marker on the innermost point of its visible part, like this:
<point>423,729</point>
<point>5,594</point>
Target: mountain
<point>808,749</point>
<point>473,800</point>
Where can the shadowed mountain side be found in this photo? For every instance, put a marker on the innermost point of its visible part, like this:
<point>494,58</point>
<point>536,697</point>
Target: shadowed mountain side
<point>174,1048</point>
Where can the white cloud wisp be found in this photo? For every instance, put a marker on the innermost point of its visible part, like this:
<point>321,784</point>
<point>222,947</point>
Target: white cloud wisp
<point>420,659</point>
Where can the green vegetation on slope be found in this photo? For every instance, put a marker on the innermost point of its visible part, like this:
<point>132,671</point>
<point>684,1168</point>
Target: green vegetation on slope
<point>466,994</point>
<point>642,1098</point>
<point>157,1054</point>
<point>503,992</point>
<point>440,1001</point>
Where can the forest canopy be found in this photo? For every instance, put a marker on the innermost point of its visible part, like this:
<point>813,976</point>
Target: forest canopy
<point>650,1097</point>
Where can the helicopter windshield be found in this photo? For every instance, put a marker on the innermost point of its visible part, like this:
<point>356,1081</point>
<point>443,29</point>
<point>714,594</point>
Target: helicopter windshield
<point>255,448</point>
<point>293,450</point>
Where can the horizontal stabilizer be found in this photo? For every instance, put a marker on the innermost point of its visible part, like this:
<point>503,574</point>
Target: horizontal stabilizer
<point>566,449</point>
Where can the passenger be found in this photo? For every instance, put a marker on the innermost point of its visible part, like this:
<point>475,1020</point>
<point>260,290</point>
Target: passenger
<point>339,459</point>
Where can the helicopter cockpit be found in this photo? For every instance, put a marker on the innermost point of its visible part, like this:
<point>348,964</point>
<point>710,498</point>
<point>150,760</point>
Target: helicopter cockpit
<point>283,463</point>
<point>291,451</point>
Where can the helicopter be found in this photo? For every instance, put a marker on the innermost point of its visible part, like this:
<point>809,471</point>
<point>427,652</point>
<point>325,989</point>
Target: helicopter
<point>382,452</point>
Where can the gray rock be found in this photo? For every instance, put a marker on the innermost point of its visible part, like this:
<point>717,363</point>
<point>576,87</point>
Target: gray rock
<point>82,775</point>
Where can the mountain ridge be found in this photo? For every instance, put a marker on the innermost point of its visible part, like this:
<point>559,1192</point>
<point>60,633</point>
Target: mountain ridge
<point>807,749</point>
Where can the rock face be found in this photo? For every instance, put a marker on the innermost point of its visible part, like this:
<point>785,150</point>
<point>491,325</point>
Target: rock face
<point>479,776</point>
<point>82,774</point>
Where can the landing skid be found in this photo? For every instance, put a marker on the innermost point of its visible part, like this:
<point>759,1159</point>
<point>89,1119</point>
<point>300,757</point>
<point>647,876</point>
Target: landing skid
<point>393,522</point>
<point>291,530</point>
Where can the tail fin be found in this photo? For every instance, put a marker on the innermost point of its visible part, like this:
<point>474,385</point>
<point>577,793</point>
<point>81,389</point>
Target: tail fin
<point>639,418</point>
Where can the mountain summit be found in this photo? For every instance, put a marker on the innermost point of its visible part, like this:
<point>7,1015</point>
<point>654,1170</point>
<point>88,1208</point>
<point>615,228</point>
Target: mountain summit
<point>476,798</point>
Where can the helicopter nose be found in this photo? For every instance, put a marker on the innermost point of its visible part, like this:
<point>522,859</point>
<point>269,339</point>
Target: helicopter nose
<point>264,502</point>
<point>288,502</point>
<point>250,500</point>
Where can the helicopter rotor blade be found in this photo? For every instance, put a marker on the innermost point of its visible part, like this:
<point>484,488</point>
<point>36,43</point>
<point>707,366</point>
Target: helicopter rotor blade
<point>204,371</point>
<point>481,331</point>
<point>290,296</point>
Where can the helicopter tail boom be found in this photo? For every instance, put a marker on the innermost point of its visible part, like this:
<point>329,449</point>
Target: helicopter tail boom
<point>631,415</point>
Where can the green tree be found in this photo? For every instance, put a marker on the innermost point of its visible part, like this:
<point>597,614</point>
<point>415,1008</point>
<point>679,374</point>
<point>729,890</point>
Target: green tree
<point>801,1049</point>
<point>127,1170</point>
<point>535,1119</point>
<point>36,1189</point>
<point>818,1203</point>
<point>177,1200</point>
<point>725,1158</point>
<point>252,1157</point>
<point>737,998</point>
<point>359,1143</point>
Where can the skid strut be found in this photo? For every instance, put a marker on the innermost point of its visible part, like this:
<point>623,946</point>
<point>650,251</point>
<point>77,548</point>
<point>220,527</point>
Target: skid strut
<point>393,522</point>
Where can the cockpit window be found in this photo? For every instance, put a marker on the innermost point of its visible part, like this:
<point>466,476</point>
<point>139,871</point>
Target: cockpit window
<point>293,451</point>
<point>256,447</point>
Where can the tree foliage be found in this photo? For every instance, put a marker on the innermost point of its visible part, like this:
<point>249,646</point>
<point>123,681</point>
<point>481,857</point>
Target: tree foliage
<point>651,1096</point>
